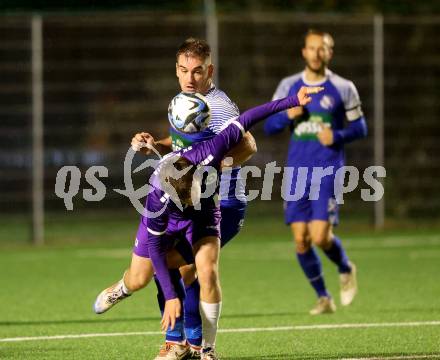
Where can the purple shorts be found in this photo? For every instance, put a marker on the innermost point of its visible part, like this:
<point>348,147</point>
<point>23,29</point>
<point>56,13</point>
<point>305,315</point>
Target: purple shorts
<point>181,233</point>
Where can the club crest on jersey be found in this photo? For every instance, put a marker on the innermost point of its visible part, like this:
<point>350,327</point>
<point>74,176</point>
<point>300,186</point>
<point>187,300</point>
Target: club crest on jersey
<point>327,102</point>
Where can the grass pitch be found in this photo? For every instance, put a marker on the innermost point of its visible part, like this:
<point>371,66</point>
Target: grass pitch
<point>49,292</point>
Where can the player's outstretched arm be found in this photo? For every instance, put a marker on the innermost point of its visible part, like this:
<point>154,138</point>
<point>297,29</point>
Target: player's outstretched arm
<point>216,148</point>
<point>252,116</point>
<point>277,122</point>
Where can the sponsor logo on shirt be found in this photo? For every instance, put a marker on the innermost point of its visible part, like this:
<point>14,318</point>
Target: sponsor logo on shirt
<point>327,102</point>
<point>307,130</point>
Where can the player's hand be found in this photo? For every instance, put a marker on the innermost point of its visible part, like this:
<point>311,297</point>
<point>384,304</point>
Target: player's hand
<point>295,112</point>
<point>142,142</point>
<point>305,91</point>
<point>172,311</point>
<point>325,136</point>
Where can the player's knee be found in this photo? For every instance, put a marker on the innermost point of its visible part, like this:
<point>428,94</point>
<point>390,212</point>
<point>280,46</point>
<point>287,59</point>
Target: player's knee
<point>208,275</point>
<point>321,240</point>
<point>302,247</point>
<point>302,243</point>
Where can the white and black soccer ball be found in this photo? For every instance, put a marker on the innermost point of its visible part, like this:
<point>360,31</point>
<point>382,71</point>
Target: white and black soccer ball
<point>189,112</point>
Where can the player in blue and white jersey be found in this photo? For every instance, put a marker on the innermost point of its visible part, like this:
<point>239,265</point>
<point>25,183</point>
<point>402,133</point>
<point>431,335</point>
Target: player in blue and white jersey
<point>318,136</point>
<point>194,71</point>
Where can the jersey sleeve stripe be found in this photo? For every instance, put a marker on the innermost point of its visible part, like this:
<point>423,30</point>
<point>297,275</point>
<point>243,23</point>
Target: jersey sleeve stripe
<point>354,114</point>
<point>157,233</point>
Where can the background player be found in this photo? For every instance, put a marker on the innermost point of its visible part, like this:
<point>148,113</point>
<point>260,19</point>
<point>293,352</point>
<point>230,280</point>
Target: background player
<point>317,140</point>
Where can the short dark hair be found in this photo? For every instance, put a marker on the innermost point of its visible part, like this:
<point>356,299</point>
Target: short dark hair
<point>331,42</point>
<point>194,47</point>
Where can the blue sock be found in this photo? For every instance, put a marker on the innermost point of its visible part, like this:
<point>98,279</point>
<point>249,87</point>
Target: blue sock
<point>160,296</point>
<point>311,265</point>
<point>177,334</point>
<point>336,253</point>
<point>193,321</point>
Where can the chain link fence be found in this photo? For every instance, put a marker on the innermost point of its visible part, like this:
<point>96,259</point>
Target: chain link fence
<point>109,75</point>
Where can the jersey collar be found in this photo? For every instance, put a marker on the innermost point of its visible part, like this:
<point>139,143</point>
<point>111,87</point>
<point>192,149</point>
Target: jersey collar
<point>328,73</point>
<point>212,88</point>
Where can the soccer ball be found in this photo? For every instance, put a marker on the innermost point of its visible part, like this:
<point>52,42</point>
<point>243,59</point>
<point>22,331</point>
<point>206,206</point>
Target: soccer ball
<point>189,112</point>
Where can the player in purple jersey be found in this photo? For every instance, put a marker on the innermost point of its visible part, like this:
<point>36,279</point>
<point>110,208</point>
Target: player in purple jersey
<point>199,228</point>
<point>186,190</point>
<point>194,71</point>
<point>317,140</point>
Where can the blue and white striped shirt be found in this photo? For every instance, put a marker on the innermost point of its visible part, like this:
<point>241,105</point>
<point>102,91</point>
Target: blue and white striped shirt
<point>232,190</point>
<point>222,109</point>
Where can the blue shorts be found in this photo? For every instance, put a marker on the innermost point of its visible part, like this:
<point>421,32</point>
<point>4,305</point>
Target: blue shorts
<point>323,208</point>
<point>232,220</point>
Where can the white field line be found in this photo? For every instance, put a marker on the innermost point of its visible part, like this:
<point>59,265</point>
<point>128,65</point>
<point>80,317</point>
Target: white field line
<point>402,357</point>
<point>238,330</point>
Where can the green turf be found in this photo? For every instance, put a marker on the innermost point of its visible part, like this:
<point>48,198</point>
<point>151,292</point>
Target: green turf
<point>50,291</point>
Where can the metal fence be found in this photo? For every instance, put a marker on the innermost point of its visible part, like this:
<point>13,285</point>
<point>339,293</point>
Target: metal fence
<point>106,76</point>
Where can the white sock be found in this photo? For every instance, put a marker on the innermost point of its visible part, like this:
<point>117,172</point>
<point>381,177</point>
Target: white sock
<point>210,314</point>
<point>124,287</point>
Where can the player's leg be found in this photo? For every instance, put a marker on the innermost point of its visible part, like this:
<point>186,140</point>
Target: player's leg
<point>325,303</point>
<point>175,347</point>
<point>323,237</point>
<point>297,215</point>
<point>138,275</point>
<point>232,218</point>
<point>325,217</point>
<point>192,318</point>
<point>207,251</point>
<point>312,267</point>
<point>231,223</point>
<point>175,340</point>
